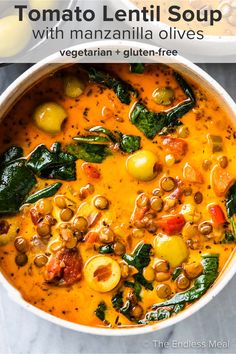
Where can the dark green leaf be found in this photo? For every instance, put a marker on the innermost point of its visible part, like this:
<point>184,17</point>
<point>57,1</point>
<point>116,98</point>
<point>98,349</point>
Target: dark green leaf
<point>100,311</point>
<point>92,139</point>
<point>140,257</point>
<point>137,68</point>
<point>136,286</point>
<point>16,181</point>
<point>231,201</point>
<point>117,300</point>
<point>177,271</point>
<point>141,280</point>
<point>129,143</point>
<point>229,237</point>
<point>44,193</point>
<point>12,153</point>
<point>122,89</point>
<point>105,131</point>
<point>106,249</point>
<point>54,165</point>
<point>89,152</point>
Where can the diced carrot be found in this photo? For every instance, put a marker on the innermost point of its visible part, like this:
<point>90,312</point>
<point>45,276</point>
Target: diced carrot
<point>191,174</point>
<point>91,171</point>
<point>175,146</point>
<point>172,224</point>
<point>217,214</point>
<point>221,180</point>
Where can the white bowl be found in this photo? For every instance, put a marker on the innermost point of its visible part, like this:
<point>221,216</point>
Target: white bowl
<point>49,65</point>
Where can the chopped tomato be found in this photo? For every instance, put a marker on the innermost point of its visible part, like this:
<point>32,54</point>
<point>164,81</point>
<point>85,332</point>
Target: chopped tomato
<point>91,237</point>
<point>91,171</point>
<point>139,213</point>
<point>221,180</point>
<point>36,217</point>
<point>171,224</point>
<point>217,214</point>
<point>191,174</point>
<point>175,146</point>
<point>65,266</point>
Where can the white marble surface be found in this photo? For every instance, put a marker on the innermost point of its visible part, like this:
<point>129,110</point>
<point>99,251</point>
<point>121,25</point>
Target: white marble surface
<point>22,332</point>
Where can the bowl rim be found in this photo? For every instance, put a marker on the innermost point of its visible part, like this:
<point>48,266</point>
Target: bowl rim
<point>13,93</point>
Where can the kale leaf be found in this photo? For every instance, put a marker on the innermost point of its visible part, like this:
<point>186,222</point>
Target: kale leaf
<point>106,249</point>
<point>122,89</point>
<point>16,181</point>
<point>118,304</point>
<point>137,68</point>
<point>12,153</point>
<point>44,193</point>
<point>139,278</point>
<point>129,143</point>
<point>95,153</point>
<point>54,164</point>
<point>177,271</point>
<point>140,258</point>
<point>152,123</point>
<point>100,311</point>
<point>231,206</point>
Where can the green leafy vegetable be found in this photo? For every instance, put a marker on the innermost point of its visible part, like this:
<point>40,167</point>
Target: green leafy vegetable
<point>54,164</point>
<point>122,89</point>
<point>118,304</point>
<point>140,258</point>
<point>117,300</point>
<point>12,153</point>
<point>129,143</point>
<point>210,264</point>
<point>136,286</point>
<point>44,193</point>
<point>100,311</point>
<point>229,237</point>
<point>231,206</point>
<point>141,280</point>
<point>92,139</point>
<point>177,271</point>
<point>106,249</point>
<point>152,123</point>
<point>137,68</point>
<point>95,153</point>
<point>16,181</point>
<point>105,131</point>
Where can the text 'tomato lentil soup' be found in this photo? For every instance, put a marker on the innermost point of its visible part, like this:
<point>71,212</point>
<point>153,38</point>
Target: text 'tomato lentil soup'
<point>117,194</point>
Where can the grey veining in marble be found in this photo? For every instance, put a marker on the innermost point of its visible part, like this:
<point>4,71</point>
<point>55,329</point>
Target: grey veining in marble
<point>21,332</point>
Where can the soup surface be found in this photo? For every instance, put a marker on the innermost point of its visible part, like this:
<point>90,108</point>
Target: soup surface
<point>117,194</point>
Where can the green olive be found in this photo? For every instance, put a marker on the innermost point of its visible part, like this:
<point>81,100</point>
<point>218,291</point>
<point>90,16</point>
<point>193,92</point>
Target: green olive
<point>119,248</point>
<point>164,96</point>
<point>142,165</point>
<point>73,87</point>
<point>49,117</point>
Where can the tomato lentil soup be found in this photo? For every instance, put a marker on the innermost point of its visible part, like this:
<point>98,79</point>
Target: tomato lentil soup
<point>117,194</point>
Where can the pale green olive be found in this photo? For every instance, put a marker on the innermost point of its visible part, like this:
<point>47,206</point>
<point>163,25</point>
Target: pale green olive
<point>142,165</point>
<point>14,35</point>
<point>49,117</point>
<point>172,249</point>
<point>73,87</point>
